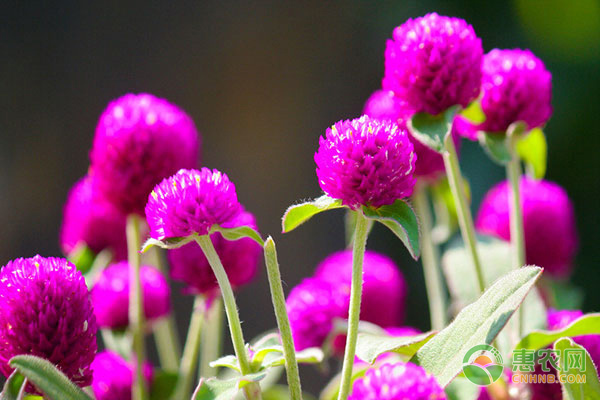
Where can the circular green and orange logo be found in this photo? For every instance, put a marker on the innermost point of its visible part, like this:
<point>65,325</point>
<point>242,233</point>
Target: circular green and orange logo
<point>483,364</point>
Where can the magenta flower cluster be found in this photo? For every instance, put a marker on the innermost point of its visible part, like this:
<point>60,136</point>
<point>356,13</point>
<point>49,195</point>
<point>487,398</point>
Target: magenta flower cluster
<point>45,311</point>
<point>548,220</point>
<point>366,162</point>
<point>113,376</point>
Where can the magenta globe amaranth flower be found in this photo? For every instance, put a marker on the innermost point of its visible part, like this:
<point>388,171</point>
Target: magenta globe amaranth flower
<point>113,376</point>
<point>45,311</point>
<point>433,62</point>
<point>384,288</point>
<point>366,161</point>
<point>548,220</point>
<point>312,307</point>
<point>189,202</point>
<point>140,140</point>
<point>398,381</point>
<point>90,219</point>
<point>240,259</point>
<point>110,295</point>
<point>516,86</point>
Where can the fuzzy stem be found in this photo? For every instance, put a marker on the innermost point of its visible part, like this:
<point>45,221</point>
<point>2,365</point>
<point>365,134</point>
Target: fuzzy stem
<point>358,254</point>
<point>465,220</point>
<point>210,346</point>
<point>136,306</point>
<point>283,322</point>
<point>430,258</point>
<point>251,390</point>
<point>190,351</point>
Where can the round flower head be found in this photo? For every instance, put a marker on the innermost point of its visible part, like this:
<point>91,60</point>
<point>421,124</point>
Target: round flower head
<point>110,295</point>
<point>433,62</point>
<point>516,86</point>
<point>384,288</point>
<point>366,161</point>
<point>113,376</point>
<point>191,201</point>
<point>140,140</point>
<point>45,311</point>
<point>384,105</point>
<point>91,220</point>
<point>548,219</point>
<point>398,381</point>
<point>240,259</point>
<point>312,307</point>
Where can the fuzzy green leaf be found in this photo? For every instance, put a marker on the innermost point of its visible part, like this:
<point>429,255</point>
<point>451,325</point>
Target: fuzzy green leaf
<point>401,219</point>
<point>495,145</point>
<point>298,214</point>
<point>13,386</point>
<point>533,149</point>
<point>431,130</point>
<point>590,389</point>
<point>215,389</point>
<point>227,362</point>
<point>478,323</point>
<point>588,324</point>
<point>239,233</point>
<point>171,243</point>
<point>371,346</point>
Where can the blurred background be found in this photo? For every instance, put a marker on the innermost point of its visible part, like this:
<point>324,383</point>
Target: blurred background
<point>262,80</point>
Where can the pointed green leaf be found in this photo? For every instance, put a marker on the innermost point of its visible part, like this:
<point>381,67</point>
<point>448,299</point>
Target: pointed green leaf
<point>46,377</point>
<point>311,355</point>
<point>401,219</point>
<point>216,389</point>
<point>478,323</point>
<point>13,386</point>
<point>163,385</point>
<point>82,257</point>
<point>298,214</point>
<point>533,149</point>
<point>371,346</point>
<point>495,145</point>
<point>588,324</point>
<point>588,390</point>
<point>431,130</point>
<point>239,233</point>
<point>227,362</point>
<point>171,243</point>
<point>474,113</point>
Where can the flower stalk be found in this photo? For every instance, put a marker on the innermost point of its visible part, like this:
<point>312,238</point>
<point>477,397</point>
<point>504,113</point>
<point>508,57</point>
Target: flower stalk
<point>358,254</point>
<point>190,350</point>
<point>211,343</point>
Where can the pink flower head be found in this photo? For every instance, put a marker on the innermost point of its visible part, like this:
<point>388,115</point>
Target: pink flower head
<point>516,86</point>
<point>113,376</point>
<point>189,202</point>
<point>433,62</point>
<point>240,259</point>
<point>548,219</point>
<point>110,295</point>
<point>45,311</point>
<point>397,381</point>
<point>140,140</point>
<point>312,307</point>
<point>91,220</point>
<point>384,288</point>
<point>384,105</point>
<point>366,161</point>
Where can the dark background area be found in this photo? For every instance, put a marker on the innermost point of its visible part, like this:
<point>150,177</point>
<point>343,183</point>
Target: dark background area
<point>262,80</point>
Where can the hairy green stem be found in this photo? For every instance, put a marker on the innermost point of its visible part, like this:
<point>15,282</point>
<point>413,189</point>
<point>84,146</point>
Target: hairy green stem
<point>136,306</point>
<point>358,254</point>
<point>211,343</point>
<point>190,351</point>
<point>251,390</point>
<point>465,219</point>
<point>430,258</point>
<point>283,322</point>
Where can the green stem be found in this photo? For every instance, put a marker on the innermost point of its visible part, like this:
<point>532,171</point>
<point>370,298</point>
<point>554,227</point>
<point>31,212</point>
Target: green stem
<point>465,220</point>
<point>283,322</point>
<point>430,258</point>
<point>210,346</point>
<point>252,390</point>
<point>190,351</point>
<point>358,254</point>
<point>136,306</point>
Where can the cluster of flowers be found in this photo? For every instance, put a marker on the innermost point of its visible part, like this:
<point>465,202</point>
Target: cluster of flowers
<point>142,163</point>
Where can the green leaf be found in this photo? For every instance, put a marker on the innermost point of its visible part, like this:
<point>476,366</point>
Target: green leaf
<point>215,389</point>
<point>82,257</point>
<point>496,146</point>
<point>239,233</point>
<point>298,214</point>
<point>370,346</point>
<point>227,362</point>
<point>401,219</point>
<point>478,323</point>
<point>163,385</point>
<point>13,386</point>
<point>311,355</point>
<point>46,377</point>
<point>588,324</point>
<point>462,389</point>
<point>170,243</point>
<point>474,113</point>
<point>590,389</point>
<point>533,149</point>
<point>431,130</point>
